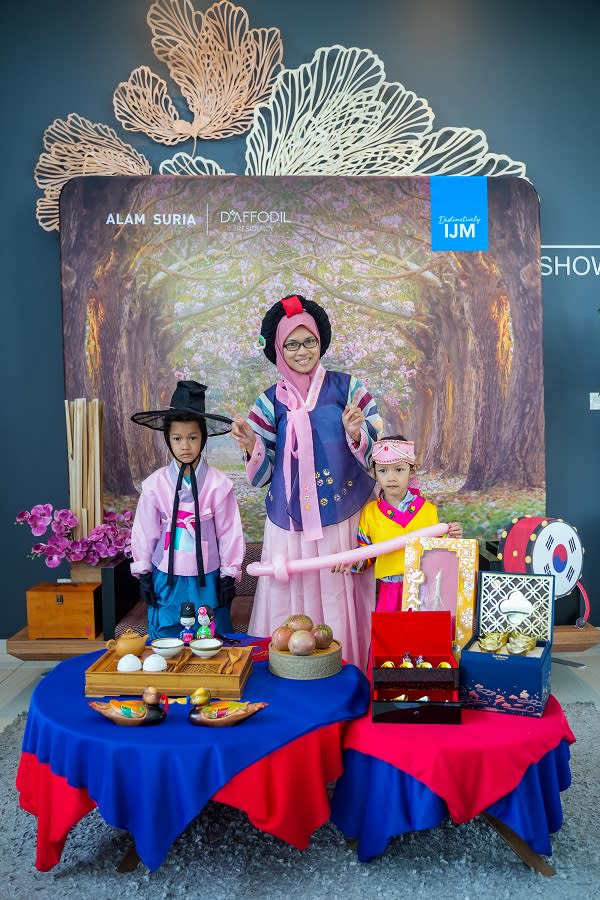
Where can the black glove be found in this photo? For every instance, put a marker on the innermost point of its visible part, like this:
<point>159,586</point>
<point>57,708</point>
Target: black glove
<point>147,592</point>
<point>226,590</point>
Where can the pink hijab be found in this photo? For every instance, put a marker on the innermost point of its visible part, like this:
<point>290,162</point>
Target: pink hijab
<point>298,392</point>
<point>300,380</point>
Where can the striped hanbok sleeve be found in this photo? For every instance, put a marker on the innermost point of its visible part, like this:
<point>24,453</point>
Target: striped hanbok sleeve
<point>359,396</point>
<point>261,418</point>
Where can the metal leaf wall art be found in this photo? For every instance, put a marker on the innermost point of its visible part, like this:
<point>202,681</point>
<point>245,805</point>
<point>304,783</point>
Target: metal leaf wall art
<point>76,146</point>
<point>222,67</point>
<point>336,115</point>
<point>184,164</point>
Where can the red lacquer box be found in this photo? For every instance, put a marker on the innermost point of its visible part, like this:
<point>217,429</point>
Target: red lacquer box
<point>415,694</point>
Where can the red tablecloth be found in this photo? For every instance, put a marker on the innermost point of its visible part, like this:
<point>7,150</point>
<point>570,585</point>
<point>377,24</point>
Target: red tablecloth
<point>266,791</point>
<point>73,759</point>
<point>471,765</point>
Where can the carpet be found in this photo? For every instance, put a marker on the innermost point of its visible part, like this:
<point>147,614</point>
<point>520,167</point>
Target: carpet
<point>222,856</point>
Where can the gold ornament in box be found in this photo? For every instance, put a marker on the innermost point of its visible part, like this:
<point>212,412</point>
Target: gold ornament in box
<point>441,573</point>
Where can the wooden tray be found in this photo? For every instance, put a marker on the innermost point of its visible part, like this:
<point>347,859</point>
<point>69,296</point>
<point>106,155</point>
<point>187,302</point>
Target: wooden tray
<point>184,673</point>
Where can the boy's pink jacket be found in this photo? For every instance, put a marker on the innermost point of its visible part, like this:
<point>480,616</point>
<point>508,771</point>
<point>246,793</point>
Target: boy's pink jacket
<point>221,532</point>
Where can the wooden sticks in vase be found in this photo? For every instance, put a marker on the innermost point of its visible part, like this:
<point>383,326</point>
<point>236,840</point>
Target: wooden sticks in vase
<point>84,422</point>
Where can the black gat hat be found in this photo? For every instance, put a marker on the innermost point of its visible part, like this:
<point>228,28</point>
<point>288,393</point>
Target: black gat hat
<point>188,399</point>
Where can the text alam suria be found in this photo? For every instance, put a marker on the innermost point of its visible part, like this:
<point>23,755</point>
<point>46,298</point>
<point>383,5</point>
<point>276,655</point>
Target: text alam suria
<point>156,219</point>
<point>226,217</point>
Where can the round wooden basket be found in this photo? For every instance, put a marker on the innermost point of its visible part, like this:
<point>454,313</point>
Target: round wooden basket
<point>320,663</point>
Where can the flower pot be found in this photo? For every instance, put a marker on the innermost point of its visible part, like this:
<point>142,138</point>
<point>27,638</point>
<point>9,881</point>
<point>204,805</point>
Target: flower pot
<point>84,573</point>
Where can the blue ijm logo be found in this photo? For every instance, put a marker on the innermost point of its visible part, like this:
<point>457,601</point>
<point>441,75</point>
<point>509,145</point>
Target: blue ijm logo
<point>459,229</point>
<point>459,213</point>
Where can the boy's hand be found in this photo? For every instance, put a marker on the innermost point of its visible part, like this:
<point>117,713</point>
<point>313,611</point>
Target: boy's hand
<point>147,592</point>
<point>352,419</point>
<point>455,530</point>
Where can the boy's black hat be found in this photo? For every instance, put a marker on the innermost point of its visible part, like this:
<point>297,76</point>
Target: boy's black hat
<point>187,610</point>
<point>188,399</point>
<point>288,306</point>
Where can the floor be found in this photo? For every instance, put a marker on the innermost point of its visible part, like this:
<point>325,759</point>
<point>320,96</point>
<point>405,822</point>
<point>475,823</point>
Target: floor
<point>570,683</point>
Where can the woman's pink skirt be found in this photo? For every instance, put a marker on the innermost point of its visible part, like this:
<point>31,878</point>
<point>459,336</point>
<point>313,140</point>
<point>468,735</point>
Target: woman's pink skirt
<point>344,602</point>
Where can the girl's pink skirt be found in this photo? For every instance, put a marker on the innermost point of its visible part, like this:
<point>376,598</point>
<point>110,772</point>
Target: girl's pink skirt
<point>344,602</point>
<point>389,598</point>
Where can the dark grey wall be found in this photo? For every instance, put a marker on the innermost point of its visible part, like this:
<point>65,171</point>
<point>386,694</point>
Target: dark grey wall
<point>524,73</point>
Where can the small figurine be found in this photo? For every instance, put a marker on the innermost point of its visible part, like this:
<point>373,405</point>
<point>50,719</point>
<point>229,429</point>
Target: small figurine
<point>437,601</point>
<point>220,712</point>
<point>206,624</point>
<point>187,618</point>
<point>146,711</point>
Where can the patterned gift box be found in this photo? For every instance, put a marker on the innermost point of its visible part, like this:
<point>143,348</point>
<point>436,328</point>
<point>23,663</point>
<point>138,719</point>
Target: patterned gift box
<point>502,682</point>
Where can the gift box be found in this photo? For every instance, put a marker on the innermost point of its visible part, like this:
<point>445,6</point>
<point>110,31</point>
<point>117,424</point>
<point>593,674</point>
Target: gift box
<point>427,695</point>
<point>441,573</point>
<point>501,681</point>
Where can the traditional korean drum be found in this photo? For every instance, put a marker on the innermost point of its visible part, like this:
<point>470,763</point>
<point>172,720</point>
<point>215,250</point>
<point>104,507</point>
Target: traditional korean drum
<point>543,546</point>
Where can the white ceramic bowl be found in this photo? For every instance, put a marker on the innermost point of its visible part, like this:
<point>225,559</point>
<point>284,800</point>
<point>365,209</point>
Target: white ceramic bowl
<point>167,647</point>
<point>129,663</point>
<point>205,647</point>
<point>155,663</point>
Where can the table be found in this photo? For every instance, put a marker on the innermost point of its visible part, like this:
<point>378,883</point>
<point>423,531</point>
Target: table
<point>153,781</point>
<point>408,777</point>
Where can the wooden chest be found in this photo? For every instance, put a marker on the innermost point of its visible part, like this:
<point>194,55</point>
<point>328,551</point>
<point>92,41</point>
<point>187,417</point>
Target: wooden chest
<point>64,610</point>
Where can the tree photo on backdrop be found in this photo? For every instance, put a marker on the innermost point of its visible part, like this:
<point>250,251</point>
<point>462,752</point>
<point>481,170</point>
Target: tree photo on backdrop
<point>168,277</point>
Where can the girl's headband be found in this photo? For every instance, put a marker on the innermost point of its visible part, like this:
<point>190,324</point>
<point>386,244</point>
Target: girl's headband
<point>387,453</point>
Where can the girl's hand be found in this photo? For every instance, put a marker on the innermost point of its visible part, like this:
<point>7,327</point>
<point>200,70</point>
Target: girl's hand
<point>243,434</point>
<point>342,568</point>
<point>455,530</point>
<point>352,419</point>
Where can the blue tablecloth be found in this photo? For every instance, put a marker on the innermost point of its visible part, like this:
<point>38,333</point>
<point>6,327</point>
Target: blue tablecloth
<point>375,801</point>
<point>152,781</point>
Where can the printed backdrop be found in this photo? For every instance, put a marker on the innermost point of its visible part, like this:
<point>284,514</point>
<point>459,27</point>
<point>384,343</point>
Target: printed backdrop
<point>168,277</point>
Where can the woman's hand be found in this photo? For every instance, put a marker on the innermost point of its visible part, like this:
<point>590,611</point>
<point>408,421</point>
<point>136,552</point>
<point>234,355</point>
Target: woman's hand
<point>243,434</point>
<point>352,419</point>
<point>455,530</point>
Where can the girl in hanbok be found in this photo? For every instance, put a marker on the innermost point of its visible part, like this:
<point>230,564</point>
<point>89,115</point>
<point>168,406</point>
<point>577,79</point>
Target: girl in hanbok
<point>399,509</point>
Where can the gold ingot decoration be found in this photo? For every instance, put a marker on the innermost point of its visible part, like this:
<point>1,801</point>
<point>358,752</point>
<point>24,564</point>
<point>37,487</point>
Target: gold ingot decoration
<point>444,665</point>
<point>402,697</point>
<point>520,644</point>
<point>76,146</point>
<point>407,662</point>
<point>388,664</point>
<point>492,642</point>
<point>423,664</point>
<point>222,67</point>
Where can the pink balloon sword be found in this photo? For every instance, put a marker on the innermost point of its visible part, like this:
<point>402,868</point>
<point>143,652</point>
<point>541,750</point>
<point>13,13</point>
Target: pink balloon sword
<point>281,568</point>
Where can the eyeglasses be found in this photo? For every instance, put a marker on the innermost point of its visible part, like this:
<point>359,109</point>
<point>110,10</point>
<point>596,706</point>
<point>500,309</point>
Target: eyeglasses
<point>309,343</point>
